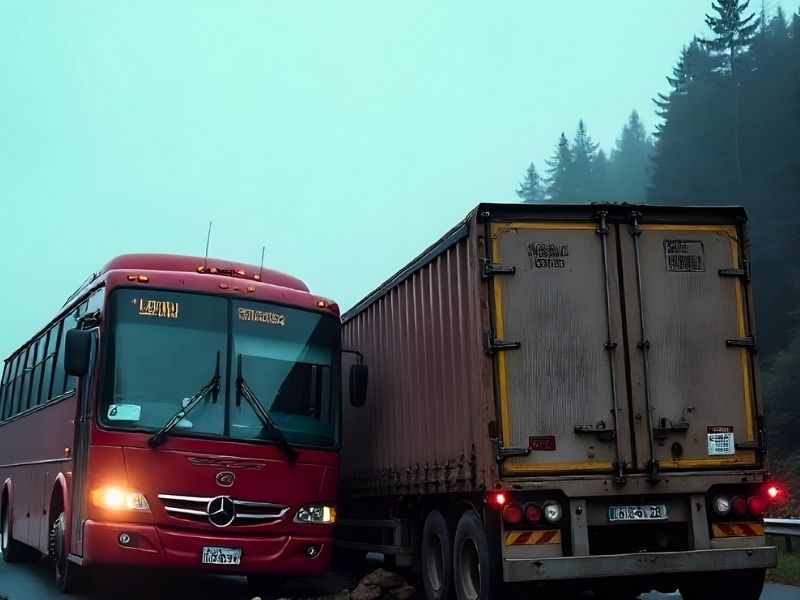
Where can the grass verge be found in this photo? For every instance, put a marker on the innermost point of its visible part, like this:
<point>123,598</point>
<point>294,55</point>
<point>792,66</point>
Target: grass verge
<point>787,571</point>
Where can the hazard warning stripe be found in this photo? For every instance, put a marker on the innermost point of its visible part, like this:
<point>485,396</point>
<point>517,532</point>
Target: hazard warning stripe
<point>723,530</point>
<point>533,538</point>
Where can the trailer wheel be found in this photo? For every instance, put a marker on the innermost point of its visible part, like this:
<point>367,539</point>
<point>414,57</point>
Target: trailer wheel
<point>437,557</point>
<point>742,585</point>
<point>475,566</point>
<point>68,574</point>
<point>13,551</point>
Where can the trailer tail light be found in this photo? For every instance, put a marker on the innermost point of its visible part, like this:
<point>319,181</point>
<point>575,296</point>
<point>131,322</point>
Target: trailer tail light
<point>552,512</point>
<point>756,506</point>
<point>497,499</point>
<point>721,505</point>
<point>774,492</point>
<point>533,513</point>
<point>738,506</point>
<point>512,514</point>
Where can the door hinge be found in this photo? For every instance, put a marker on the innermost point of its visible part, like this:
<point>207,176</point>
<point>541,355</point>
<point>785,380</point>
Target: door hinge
<point>745,342</point>
<point>743,273</point>
<point>504,453</point>
<point>490,269</point>
<point>492,344</point>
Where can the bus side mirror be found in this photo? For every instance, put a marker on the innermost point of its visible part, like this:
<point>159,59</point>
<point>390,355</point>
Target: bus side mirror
<point>76,352</point>
<point>358,385</point>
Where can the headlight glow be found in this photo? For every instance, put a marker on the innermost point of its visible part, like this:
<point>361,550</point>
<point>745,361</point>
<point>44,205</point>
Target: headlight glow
<point>117,498</point>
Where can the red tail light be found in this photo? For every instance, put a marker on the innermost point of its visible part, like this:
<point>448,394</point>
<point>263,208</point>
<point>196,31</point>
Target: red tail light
<point>533,513</point>
<point>512,514</point>
<point>756,505</point>
<point>739,506</point>
<point>774,492</point>
<point>497,499</point>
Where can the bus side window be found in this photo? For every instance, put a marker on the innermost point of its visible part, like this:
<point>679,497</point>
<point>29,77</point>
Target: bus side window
<point>8,409</point>
<point>59,376</point>
<point>35,398</point>
<point>19,381</point>
<point>30,376</point>
<point>4,387</point>
<point>50,362</point>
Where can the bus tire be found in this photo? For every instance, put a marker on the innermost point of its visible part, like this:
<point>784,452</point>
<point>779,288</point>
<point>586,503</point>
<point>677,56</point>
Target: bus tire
<point>742,585</point>
<point>13,550</point>
<point>68,574</point>
<point>475,565</point>
<point>436,554</point>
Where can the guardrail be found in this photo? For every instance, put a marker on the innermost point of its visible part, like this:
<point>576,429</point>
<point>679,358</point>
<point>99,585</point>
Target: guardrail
<point>782,527</point>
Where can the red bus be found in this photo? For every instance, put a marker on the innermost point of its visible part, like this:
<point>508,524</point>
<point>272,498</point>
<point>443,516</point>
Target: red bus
<point>178,412</point>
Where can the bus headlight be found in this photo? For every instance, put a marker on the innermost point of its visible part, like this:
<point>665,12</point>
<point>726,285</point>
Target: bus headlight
<point>117,498</point>
<point>316,513</point>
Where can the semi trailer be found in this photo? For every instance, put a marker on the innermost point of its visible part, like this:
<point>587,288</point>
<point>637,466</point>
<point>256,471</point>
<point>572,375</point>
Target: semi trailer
<point>564,397</point>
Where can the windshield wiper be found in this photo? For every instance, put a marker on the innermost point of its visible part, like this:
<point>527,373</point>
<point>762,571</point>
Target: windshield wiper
<point>212,387</point>
<point>244,390</point>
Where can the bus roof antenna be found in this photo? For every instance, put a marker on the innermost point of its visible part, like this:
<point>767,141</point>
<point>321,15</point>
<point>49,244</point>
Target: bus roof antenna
<point>208,241</point>
<point>261,268</point>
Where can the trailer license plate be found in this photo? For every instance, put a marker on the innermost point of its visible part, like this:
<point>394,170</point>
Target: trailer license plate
<point>642,512</point>
<point>213,555</point>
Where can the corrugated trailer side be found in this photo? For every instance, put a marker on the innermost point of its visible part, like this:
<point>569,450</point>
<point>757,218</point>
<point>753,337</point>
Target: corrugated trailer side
<point>423,428</point>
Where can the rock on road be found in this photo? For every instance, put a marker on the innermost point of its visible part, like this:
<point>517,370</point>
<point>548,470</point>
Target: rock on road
<point>35,582</point>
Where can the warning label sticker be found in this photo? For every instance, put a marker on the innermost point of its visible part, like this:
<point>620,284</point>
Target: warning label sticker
<point>721,441</point>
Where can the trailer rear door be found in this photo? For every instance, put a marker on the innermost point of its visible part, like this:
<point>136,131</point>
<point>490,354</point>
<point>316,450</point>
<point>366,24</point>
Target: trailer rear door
<point>558,389</point>
<point>619,344</point>
<point>690,345</point>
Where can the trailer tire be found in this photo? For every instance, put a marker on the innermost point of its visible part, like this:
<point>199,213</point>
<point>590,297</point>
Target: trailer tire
<point>13,550</point>
<point>436,553</point>
<point>742,585</point>
<point>475,565</point>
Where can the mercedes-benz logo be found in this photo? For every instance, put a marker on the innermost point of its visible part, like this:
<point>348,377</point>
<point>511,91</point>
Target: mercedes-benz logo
<point>221,511</point>
<point>225,478</point>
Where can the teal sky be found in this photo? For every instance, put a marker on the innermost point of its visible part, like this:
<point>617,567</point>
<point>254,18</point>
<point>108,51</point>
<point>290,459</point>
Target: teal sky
<point>346,136</point>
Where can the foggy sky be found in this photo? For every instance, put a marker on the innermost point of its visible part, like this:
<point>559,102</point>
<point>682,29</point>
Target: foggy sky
<point>345,136</point>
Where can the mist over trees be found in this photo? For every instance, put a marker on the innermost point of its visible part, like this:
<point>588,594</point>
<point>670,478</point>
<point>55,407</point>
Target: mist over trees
<point>729,134</point>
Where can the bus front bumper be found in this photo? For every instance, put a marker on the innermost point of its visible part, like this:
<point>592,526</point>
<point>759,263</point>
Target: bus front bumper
<point>148,545</point>
<point>640,563</point>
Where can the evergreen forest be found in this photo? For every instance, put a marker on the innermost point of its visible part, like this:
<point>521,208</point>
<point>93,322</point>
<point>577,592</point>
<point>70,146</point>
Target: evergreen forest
<point>728,134</point>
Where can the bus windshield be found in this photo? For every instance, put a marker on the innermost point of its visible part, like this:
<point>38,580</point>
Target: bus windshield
<point>163,346</point>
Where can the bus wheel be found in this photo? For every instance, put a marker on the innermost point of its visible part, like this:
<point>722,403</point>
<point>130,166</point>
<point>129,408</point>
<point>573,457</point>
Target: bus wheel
<point>742,585</point>
<point>475,566</point>
<point>436,552</point>
<point>67,573</point>
<point>13,551</point>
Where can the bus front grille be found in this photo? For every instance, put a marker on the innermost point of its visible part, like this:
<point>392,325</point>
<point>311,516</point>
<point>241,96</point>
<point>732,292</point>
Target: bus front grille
<point>224,512</point>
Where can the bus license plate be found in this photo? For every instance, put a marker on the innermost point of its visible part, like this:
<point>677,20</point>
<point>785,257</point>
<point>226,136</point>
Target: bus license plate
<point>213,555</point>
<point>642,512</point>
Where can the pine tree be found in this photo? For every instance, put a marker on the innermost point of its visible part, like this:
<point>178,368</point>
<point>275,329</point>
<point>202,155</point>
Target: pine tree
<point>734,33</point>
<point>531,190</point>
<point>601,189</point>
<point>628,168</point>
<point>559,188</point>
<point>580,173</point>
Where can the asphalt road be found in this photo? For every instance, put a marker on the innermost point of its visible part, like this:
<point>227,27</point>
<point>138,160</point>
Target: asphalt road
<point>35,582</point>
